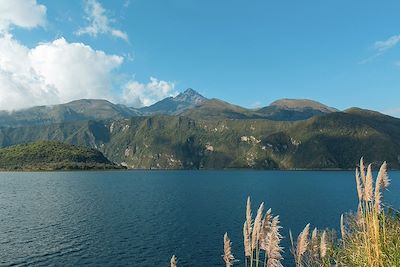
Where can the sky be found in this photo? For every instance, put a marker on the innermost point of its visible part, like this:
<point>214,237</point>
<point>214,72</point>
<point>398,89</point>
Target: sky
<point>250,53</point>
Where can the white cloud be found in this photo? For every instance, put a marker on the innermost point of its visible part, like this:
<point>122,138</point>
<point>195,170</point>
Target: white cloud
<point>382,46</point>
<point>52,73</point>
<point>99,23</point>
<point>137,94</point>
<point>21,13</point>
<point>75,69</point>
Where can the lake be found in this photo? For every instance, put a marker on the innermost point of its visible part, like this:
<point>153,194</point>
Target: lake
<point>142,218</point>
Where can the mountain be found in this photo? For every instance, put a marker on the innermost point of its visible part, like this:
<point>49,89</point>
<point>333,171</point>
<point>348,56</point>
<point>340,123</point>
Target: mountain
<point>294,109</point>
<point>176,105</point>
<point>281,110</point>
<point>333,140</point>
<point>300,104</point>
<point>46,155</point>
<point>218,109</point>
<point>79,110</point>
<point>188,103</point>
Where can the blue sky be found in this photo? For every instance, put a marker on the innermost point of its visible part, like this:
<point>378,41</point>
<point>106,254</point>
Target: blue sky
<point>245,52</point>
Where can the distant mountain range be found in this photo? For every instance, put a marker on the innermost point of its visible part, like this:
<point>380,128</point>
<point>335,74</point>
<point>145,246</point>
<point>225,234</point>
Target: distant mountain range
<point>190,131</point>
<point>189,103</point>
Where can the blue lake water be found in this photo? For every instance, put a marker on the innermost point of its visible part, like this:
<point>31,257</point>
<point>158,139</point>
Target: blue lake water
<point>141,218</point>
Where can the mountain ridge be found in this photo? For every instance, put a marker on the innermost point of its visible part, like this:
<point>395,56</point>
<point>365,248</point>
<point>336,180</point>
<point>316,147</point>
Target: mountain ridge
<point>290,103</point>
<point>77,110</point>
<point>187,103</point>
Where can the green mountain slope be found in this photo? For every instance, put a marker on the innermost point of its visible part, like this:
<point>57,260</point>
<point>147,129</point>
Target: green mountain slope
<point>334,140</point>
<point>46,155</point>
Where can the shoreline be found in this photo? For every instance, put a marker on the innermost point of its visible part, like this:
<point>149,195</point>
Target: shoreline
<point>183,170</point>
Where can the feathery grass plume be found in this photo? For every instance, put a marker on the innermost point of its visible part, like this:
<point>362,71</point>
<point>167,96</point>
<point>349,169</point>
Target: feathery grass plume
<point>382,181</point>
<point>248,214</point>
<point>342,229</point>
<point>362,171</point>
<point>249,222</point>
<point>314,243</point>
<point>173,261</point>
<point>257,227</point>
<point>302,244</point>
<point>384,174</point>
<point>228,257</point>
<point>360,216</point>
<point>368,189</point>
<point>360,190</point>
<point>273,248</point>
<point>323,247</point>
<point>265,229</point>
<point>292,249</point>
<point>246,240</point>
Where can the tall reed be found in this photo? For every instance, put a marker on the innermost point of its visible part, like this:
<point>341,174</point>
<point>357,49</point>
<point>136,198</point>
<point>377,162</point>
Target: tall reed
<point>366,242</point>
<point>262,238</point>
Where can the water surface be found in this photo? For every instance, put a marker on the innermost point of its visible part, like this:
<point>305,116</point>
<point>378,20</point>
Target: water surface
<point>141,218</point>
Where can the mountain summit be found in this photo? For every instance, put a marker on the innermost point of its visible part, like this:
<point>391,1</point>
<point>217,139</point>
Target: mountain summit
<point>294,109</point>
<point>175,105</point>
<point>190,96</point>
<point>302,104</point>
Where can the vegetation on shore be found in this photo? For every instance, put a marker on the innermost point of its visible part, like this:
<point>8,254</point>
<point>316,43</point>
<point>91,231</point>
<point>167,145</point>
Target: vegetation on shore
<point>370,237</point>
<point>50,155</point>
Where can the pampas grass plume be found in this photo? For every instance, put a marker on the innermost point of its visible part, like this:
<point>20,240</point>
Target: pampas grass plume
<point>302,241</point>
<point>314,243</point>
<point>382,181</point>
<point>257,227</point>
<point>368,189</point>
<point>342,229</point>
<point>246,240</point>
<point>273,248</point>
<point>323,245</point>
<point>228,257</point>
<point>173,261</point>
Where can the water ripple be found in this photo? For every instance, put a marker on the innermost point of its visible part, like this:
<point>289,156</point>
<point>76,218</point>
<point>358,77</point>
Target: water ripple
<point>142,218</point>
